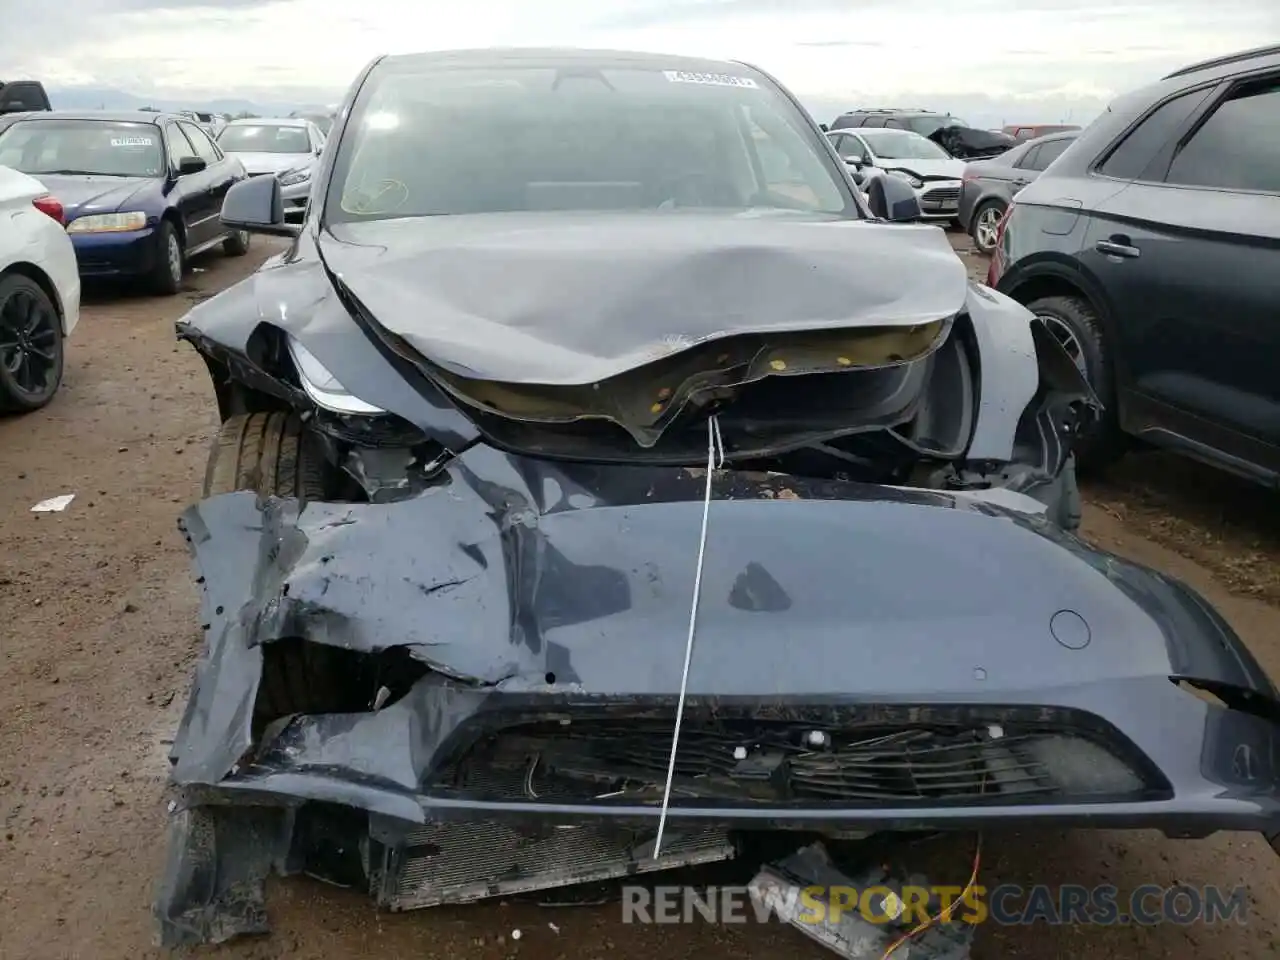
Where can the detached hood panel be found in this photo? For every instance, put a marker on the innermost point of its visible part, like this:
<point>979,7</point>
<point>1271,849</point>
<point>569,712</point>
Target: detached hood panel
<point>569,299</point>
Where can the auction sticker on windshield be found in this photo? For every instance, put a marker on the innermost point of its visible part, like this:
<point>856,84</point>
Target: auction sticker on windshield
<point>715,79</point>
<point>132,142</point>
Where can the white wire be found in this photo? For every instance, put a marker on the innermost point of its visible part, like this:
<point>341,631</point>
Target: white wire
<point>715,460</point>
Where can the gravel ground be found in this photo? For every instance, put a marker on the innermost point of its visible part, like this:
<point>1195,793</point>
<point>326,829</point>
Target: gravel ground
<point>99,638</point>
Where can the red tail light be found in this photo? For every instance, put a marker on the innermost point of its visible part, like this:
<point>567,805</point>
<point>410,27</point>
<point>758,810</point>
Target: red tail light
<point>51,206</point>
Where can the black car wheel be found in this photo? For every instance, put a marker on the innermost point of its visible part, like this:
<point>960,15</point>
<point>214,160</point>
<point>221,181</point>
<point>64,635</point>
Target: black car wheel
<point>1074,324</point>
<point>274,455</point>
<point>237,244</point>
<point>166,275</point>
<point>31,355</point>
<point>985,225</point>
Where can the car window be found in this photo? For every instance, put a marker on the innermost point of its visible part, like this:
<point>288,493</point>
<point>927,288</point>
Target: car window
<point>204,147</point>
<point>89,147</point>
<point>179,145</point>
<point>1027,158</point>
<point>1050,151</point>
<point>1238,145</point>
<point>1140,148</point>
<point>873,122</point>
<point>264,138</point>
<point>903,145</point>
<point>611,138</point>
<point>895,124</point>
<point>851,148</point>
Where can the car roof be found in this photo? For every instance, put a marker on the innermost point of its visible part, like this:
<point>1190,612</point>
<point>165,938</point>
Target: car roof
<point>109,116</point>
<point>1055,135</point>
<point>550,56</point>
<point>1229,61</point>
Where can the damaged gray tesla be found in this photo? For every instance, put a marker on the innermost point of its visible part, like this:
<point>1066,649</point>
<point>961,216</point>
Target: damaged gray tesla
<point>602,480</point>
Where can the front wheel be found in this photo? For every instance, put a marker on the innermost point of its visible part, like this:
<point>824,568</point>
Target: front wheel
<point>166,275</point>
<point>31,356</point>
<point>1075,324</point>
<point>269,453</point>
<point>985,226</point>
<point>236,244</point>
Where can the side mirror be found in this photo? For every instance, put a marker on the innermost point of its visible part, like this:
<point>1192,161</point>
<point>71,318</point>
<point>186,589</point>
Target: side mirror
<point>823,127</point>
<point>892,198</point>
<point>255,205</point>
<point>190,165</point>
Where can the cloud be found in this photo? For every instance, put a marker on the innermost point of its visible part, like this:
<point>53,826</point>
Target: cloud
<point>1001,50</point>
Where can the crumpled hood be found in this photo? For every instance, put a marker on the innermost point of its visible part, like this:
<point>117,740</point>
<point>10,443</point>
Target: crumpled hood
<point>948,167</point>
<point>273,162</point>
<point>83,196</point>
<point>568,299</point>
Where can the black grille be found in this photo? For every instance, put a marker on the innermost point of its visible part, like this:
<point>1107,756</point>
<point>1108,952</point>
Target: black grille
<point>942,195</point>
<point>785,762</point>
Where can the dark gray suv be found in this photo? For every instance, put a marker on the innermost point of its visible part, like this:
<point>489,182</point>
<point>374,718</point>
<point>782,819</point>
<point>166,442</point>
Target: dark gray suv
<point>1152,249</point>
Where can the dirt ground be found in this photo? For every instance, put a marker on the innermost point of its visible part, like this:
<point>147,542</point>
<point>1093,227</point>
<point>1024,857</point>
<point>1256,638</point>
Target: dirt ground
<point>99,635</point>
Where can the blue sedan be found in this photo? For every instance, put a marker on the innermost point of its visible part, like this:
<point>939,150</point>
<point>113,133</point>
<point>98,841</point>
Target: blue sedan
<point>141,192</point>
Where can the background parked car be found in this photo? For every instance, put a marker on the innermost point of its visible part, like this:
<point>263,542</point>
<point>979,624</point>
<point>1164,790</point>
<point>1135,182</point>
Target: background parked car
<point>932,172</point>
<point>1034,131</point>
<point>142,191</point>
<point>1152,247</point>
<point>39,292</point>
<point>923,122</point>
<point>990,185</point>
<point>20,96</point>
<point>286,148</point>
<point>322,120</point>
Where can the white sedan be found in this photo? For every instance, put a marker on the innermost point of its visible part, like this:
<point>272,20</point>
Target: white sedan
<point>39,292</point>
<point>933,173</point>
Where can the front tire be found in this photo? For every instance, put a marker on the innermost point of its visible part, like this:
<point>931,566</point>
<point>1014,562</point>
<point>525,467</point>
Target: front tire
<point>237,244</point>
<point>166,275</point>
<point>984,224</point>
<point>274,455</point>
<point>1075,324</point>
<point>31,348</point>
<point>271,454</point>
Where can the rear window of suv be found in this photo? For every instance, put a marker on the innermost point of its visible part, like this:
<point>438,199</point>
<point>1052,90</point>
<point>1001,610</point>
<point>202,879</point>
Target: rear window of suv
<point>1238,146</point>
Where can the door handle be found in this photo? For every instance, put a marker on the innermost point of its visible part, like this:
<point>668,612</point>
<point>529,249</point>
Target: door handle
<point>1113,248</point>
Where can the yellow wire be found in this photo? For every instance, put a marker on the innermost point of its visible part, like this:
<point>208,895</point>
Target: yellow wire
<point>945,914</point>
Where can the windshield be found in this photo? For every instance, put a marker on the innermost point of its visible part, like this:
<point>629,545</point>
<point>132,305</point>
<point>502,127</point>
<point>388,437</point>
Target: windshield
<point>427,140</point>
<point>91,147</point>
<point>927,126</point>
<point>902,145</point>
<point>264,138</point>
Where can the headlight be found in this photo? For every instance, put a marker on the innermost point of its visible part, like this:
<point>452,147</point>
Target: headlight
<point>915,182</point>
<point>108,223</point>
<point>323,387</point>
<point>293,177</point>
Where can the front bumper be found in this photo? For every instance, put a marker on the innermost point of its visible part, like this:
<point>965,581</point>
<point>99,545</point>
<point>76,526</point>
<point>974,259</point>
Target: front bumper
<point>524,592</point>
<point>115,254</point>
<point>939,199</point>
<point>295,198</point>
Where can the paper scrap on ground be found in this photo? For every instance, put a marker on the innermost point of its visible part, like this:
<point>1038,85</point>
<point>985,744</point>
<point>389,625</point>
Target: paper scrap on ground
<point>54,504</point>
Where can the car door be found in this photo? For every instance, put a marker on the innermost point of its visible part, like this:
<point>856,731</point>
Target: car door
<point>192,193</point>
<point>1189,253</point>
<point>223,173</point>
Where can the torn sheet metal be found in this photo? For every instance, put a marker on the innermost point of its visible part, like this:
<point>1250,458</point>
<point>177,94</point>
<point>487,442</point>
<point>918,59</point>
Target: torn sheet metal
<point>533,591</point>
<point>562,298</point>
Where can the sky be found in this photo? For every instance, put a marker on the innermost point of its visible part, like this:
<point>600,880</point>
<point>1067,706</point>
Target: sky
<point>1066,57</point>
